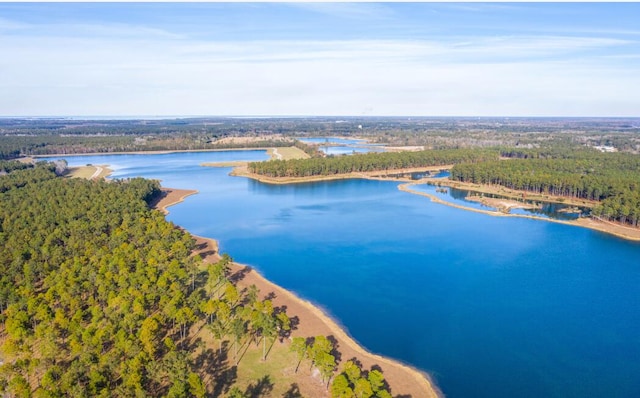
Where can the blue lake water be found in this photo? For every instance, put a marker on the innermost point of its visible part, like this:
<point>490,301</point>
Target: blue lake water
<point>349,150</point>
<point>489,306</point>
<point>342,146</point>
<point>333,140</point>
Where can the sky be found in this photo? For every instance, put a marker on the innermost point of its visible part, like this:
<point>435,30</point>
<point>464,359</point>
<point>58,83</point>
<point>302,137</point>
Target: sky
<point>320,59</point>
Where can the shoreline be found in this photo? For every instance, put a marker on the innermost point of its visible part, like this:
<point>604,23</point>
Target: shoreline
<point>170,197</point>
<point>403,379</point>
<point>600,226</point>
<point>157,152</point>
<point>620,231</point>
<point>381,175</point>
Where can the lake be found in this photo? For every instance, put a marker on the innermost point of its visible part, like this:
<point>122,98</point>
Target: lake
<point>342,146</point>
<point>489,306</point>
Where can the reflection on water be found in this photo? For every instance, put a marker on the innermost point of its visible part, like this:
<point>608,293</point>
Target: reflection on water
<point>418,175</point>
<point>556,211</point>
<point>342,146</point>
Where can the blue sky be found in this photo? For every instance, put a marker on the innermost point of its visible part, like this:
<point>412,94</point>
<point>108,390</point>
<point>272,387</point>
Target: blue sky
<point>414,59</point>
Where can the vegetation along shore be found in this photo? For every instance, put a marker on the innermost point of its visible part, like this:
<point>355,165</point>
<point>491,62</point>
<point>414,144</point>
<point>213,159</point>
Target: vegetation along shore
<point>107,296</point>
<point>403,379</point>
<point>99,293</point>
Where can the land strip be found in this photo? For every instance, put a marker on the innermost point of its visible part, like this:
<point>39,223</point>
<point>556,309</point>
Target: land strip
<point>404,380</point>
<point>162,152</point>
<point>509,193</point>
<point>373,175</point>
<point>287,152</point>
<point>280,153</point>
<point>170,197</point>
<point>598,225</point>
<point>89,172</point>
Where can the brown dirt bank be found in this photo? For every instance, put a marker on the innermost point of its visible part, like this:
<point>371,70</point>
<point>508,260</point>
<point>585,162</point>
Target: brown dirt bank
<point>170,197</point>
<point>243,171</point>
<point>502,205</point>
<point>510,193</point>
<point>403,379</point>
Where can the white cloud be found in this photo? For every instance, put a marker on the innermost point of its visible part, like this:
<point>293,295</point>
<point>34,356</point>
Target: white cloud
<point>151,74</point>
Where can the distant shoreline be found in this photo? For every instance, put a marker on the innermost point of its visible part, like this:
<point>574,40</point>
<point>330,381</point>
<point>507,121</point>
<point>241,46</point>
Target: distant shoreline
<point>240,169</point>
<point>382,175</point>
<point>160,152</point>
<point>621,231</point>
<point>618,230</point>
<point>403,379</point>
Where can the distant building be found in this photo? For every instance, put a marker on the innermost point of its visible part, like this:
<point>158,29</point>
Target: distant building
<point>605,148</point>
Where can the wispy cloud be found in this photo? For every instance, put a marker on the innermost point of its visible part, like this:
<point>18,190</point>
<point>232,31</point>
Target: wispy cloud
<point>368,11</point>
<point>86,67</point>
<point>85,30</point>
<point>10,25</point>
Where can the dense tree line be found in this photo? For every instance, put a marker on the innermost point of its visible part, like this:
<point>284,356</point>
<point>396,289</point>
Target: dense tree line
<point>98,293</point>
<point>19,177</point>
<point>352,382</point>
<point>612,178</point>
<point>368,162</point>
<point>549,152</point>
<point>99,296</point>
<point>8,166</point>
<point>13,147</point>
<point>47,136</point>
<point>92,288</point>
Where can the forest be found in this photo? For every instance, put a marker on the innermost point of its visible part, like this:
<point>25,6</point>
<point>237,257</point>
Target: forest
<point>612,179</point>
<point>369,162</point>
<point>100,296</point>
<point>41,136</point>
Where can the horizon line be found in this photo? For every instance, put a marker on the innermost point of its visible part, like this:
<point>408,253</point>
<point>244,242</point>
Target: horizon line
<point>174,117</point>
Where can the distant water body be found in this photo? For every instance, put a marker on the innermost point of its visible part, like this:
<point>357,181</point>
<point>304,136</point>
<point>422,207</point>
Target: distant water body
<point>489,306</point>
<point>342,146</point>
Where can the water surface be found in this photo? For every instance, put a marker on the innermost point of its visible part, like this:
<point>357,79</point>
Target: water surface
<point>343,146</point>
<point>490,306</point>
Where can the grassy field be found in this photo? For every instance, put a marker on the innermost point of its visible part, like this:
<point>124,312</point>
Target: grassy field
<point>286,153</point>
<point>81,172</point>
<point>88,172</point>
<point>274,377</point>
<point>283,153</point>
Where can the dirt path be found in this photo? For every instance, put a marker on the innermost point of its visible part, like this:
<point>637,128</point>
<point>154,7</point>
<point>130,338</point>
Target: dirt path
<point>96,174</point>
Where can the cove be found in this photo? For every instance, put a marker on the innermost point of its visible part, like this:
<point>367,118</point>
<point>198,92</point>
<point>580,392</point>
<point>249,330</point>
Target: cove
<point>489,306</point>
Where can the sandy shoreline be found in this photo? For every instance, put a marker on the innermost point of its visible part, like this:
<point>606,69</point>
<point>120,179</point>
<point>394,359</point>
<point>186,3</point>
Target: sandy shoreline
<point>620,231</point>
<point>403,379</point>
<point>170,197</point>
<point>383,175</point>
